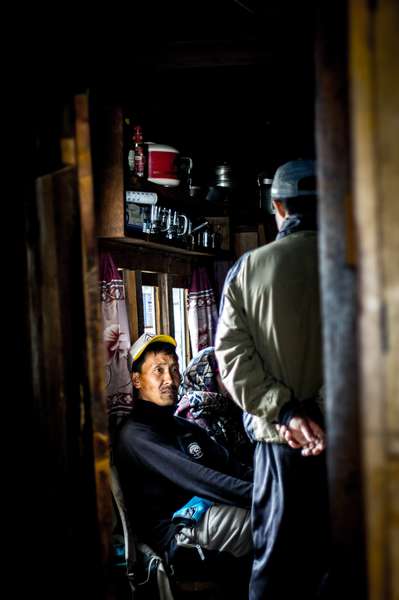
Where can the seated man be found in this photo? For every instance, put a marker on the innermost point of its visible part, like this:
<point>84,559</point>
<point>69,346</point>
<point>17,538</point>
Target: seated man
<point>164,461</point>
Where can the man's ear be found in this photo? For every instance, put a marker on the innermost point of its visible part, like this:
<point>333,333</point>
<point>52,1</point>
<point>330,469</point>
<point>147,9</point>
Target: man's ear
<point>280,208</point>
<point>136,380</point>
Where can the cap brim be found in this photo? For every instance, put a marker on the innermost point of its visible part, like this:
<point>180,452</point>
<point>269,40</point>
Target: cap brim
<point>157,338</point>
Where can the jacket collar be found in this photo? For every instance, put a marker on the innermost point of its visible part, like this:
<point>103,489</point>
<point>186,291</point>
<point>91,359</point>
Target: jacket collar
<point>295,223</point>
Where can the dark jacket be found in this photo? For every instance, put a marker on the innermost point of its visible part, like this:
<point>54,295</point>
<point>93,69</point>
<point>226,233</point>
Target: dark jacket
<point>163,461</point>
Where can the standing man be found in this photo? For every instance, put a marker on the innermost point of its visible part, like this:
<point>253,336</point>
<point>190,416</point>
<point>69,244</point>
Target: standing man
<point>268,346</point>
<point>164,461</point>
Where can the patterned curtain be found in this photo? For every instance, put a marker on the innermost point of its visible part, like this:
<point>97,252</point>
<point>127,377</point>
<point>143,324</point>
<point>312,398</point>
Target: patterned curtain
<point>202,310</point>
<point>116,340</point>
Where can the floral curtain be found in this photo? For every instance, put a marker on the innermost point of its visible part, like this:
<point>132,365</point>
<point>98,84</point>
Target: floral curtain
<point>202,310</point>
<point>116,340</point>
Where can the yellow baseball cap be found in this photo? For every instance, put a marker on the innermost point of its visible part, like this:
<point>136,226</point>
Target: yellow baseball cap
<point>143,342</point>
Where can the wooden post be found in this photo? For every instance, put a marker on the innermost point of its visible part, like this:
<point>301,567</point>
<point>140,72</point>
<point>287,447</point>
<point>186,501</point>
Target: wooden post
<point>374,69</point>
<point>166,303</point>
<point>74,494</point>
<point>134,297</point>
<point>339,302</point>
<point>94,417</point>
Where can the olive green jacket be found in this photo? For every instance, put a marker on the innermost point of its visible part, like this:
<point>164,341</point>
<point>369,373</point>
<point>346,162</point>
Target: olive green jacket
<point>268,341</point>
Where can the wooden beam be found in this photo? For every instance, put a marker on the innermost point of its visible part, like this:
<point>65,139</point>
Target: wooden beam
<point>134,302</point>
<point>64,468</point>
<point>68,140</point>
<point>166,304</point>
<point>158,323</point>
<point>339,303</point>
<point>141,255</point>
<point>108,164</point>
<point>95,413</point>
<point>375,99</point>
<point>189,353</point>
<point>178,281</point>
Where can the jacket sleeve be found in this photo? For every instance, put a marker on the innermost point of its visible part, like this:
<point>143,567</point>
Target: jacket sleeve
<point>241,367</point>
<point>162,458</point>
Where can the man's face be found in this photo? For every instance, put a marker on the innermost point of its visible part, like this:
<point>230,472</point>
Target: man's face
<point>159,379</point>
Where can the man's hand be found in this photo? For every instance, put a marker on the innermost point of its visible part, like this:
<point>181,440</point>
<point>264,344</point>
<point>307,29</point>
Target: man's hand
<point>303,433</point>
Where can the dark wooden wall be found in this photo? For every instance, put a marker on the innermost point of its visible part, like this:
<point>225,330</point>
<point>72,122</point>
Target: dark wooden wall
<point>60,445</point>
<point>339,281</point>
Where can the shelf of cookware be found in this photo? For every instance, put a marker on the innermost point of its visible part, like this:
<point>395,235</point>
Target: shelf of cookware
<point>172,217</point>
<point>141,254</point>
<point>209,201</point>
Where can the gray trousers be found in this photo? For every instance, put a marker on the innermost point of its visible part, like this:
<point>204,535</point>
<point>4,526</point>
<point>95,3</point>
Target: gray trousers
<point>290,523</point>
<point>223,528</point>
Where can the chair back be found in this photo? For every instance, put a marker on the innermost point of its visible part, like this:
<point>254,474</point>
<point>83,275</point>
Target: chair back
<point>144,567</point>
<point>129,540</point>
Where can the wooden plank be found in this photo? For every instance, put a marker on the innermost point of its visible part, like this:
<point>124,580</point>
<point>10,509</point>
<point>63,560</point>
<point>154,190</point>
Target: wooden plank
<point>158,325</point>
<point>154,246</point>
<point>375,101</point>
<point>245,241</point>
<point>108,162</point>
<point>64,473</point>
<point>138,255</point>
<point>139,302</point>
<point>170,306</point>
<point>129,280</point>
<point>189,353</point>
<point>134,302</point>
<point>68,141</point>
<point>48,335</point>
<point>94,390</point>
<point>166,304</point>
<point>387,94</point>
<point>178,281</point>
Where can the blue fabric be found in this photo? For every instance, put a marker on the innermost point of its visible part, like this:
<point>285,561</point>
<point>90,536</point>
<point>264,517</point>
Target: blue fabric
<point>193,511</point>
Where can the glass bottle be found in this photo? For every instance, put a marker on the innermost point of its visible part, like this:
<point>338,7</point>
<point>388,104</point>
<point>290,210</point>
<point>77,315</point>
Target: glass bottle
<point>139,152</point>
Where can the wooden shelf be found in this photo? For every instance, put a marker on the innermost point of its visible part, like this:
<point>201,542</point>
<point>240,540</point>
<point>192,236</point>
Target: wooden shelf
<point>142,255</point>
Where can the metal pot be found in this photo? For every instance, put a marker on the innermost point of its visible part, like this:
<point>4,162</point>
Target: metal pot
<point>223,175</point>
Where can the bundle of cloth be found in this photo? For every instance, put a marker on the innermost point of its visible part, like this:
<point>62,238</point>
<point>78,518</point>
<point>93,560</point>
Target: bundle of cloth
<point>203,399</point>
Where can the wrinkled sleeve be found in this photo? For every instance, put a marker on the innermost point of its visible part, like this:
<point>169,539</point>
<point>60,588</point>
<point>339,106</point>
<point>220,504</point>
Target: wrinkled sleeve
<point>241,367</point>
<point>163,459</point>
